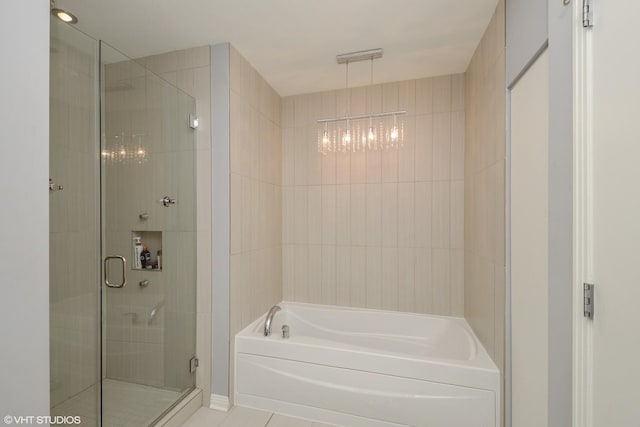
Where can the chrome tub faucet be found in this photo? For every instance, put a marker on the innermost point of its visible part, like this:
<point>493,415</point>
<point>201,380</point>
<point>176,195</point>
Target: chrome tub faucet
<point>269,319</point>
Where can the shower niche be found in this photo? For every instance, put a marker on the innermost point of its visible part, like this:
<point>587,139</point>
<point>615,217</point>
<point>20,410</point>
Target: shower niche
<point>146,251</point>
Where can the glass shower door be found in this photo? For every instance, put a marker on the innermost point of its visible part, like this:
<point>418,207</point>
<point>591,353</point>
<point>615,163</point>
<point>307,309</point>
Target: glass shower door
<point>74,225</point>
<point>148,242</point>
<point>122,236</point>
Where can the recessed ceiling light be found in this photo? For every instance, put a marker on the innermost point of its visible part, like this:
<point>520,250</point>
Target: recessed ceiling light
<point>64,16</point>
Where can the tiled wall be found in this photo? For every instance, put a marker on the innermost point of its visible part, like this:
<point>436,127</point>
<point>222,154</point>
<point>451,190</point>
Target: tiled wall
<point>73,217</point>
<point>382,229</point>
<point>139,349</point>
<point>484,185</point>
<point>255,196</point>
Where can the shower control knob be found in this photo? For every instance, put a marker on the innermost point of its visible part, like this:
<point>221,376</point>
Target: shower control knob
<point>167,201</point>
<point>144,216</point>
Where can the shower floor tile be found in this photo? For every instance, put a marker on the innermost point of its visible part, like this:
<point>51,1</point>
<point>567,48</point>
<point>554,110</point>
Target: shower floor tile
<point>124,404</point>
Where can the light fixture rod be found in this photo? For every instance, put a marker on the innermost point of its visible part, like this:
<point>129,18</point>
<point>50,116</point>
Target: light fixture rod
<point>363,116</point>
<point>363,55</point>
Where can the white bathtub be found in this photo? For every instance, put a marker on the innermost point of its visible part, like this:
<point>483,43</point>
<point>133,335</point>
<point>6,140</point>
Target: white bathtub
<point>358,367</point>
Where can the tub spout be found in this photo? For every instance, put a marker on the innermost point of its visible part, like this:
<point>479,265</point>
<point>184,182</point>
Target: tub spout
<point>269,319</point>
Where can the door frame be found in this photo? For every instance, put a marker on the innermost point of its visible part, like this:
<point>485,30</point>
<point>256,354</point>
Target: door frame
<point>582,412</point>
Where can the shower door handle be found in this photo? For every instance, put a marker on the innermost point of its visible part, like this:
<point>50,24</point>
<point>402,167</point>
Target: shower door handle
<point>106,272</point>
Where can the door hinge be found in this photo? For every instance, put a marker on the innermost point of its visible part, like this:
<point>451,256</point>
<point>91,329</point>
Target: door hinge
<point>588,300</point>
<point>587,13</point>
<point>193,364</point>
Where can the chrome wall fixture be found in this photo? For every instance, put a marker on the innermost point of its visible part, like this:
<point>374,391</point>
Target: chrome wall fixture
<point>373,131</point>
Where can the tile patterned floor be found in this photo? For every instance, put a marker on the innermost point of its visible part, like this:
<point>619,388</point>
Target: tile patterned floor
<point>245,417</point>
<point>124,404</point>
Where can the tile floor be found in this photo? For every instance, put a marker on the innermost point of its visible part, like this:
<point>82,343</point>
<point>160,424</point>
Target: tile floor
<point>245,417</point>
<point>124,404</point>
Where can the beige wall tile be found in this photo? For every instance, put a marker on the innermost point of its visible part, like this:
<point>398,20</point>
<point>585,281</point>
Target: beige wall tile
<point>406,211</point>
<point>329,275</point>
<point>390,215</point>
<point>457,92</point>
<point>343,168</point>
<point>315,214</point>
<point>422,216</point>
<point>358,101</point>
<point>343,275</point>
<point>314,159</point>
<point>406,155</point>
<point>424,96</point>
<point>423,280</point>
<point>442,94</point>
<point>457,214</point>
<point>441,146</point>
<point>457,145</point>
<point>358,215</point>
<point>374,277</point>
<point>358,167</point>
<point>235,190</point>
<point>288,215</point>
<point>301,273</point>
<point>329,165</point>
<point>374,98</point>
<point>328,202</point>
<point>301,151</point>
<point>390,96</point>
<point>314,278</point>
<point>300,218</point>
<point>390,278</point>
<point>373,214</point>
<point>407,96</point>
<point>358,290</point>
<point>301,111</point>
<point>424,148</point>
<point>441,279</point>
<point>440,215</point>
<point>406,279</point>
<point>373,166</point>
<point>343,215</point>
<point>287,109</point>
<point>288,275</point>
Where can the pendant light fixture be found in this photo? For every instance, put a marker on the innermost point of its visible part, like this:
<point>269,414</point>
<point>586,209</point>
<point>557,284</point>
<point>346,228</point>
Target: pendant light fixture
<point>373,131</point>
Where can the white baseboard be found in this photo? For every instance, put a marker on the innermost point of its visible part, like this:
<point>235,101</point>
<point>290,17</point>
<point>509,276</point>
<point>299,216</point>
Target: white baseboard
<point>219,402</point>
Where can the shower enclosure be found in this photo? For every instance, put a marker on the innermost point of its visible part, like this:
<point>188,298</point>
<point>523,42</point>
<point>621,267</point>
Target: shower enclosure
<point>122,236</point>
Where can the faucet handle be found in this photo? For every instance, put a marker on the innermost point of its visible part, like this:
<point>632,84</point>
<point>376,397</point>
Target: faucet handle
<point>285,331</point>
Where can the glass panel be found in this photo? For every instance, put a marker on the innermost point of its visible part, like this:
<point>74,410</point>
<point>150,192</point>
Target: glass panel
<point>74,225</point>
<point>148,154</point>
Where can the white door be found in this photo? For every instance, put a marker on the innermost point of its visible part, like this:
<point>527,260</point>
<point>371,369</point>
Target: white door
<point>610,380</point>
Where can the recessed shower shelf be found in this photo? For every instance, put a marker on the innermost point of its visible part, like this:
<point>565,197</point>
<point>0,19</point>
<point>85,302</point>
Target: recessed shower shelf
<point>152,241</point>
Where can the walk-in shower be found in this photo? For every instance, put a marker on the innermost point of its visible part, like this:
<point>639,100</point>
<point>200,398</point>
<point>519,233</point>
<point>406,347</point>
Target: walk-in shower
<point>122,235</point>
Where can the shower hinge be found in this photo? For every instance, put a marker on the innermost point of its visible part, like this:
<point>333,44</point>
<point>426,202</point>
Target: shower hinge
<point>193,364</point>
<point>588,300</point>
<point>587,13</point>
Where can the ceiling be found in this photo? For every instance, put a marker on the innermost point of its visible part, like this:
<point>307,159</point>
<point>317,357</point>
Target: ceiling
<point>293,43</point>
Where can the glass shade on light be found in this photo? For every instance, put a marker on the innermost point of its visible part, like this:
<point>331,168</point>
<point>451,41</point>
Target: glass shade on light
<point>362,134</point>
